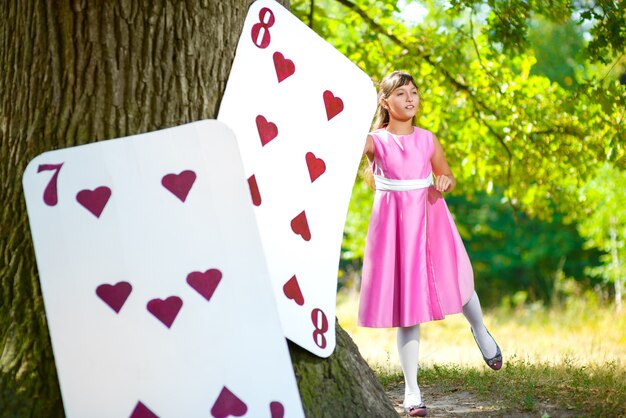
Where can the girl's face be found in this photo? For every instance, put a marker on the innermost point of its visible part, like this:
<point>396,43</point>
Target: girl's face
<point>402,103</point>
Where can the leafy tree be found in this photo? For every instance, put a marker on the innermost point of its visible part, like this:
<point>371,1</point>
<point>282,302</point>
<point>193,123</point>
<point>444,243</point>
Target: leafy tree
<point>508,22</point>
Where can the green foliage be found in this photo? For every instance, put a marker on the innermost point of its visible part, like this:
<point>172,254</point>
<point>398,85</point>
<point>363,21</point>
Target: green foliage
<point>604,227</point>
<point>513,252</point>
<point>609,30</point>
<point>558,49</point>
<point>508,22</point>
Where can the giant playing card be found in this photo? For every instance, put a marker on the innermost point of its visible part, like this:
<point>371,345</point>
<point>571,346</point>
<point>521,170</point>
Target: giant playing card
<point>154,281</point>
<point>301,112</point>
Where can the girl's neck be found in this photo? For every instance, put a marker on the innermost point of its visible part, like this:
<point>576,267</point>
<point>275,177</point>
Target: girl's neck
<point>400,127</point>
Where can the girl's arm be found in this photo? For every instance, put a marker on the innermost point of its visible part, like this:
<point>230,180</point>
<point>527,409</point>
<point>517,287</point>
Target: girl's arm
<point>368,151</point>
<point>445,181</point>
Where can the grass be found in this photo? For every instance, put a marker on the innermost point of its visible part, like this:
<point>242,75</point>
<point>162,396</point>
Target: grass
<point>571,357</point>
<point>598,390</point>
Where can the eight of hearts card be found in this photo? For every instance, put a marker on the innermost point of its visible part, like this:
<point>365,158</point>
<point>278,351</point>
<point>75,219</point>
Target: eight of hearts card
<point>155,286</point>
<point>301,112</point>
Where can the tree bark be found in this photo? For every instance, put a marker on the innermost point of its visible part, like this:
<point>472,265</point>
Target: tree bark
<point>78,71</point>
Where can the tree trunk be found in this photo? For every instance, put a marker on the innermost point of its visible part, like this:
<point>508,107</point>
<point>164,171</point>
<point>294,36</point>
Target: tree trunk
<point>342,385</point>
<point>77,71</point>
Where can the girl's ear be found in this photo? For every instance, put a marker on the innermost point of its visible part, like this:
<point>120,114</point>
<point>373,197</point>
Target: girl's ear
<point>383,102</point>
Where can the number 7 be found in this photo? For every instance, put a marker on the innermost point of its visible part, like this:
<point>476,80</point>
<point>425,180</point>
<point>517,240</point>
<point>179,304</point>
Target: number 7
<point>50,196</point>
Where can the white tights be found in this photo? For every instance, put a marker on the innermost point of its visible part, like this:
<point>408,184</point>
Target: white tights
<point>474,316</point>
<point>409,350</point>
<point>409,345</point>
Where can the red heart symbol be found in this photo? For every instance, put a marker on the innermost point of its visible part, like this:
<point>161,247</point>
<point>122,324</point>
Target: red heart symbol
<point>179,184</point>
<point>284,67</point>
<point>300,226</point>
<point>94,200</point>
<point>205,283</point>
<point>165,310</point>
<point>254,190</point>
<point>277,409</point>
<point>316,166</point>
<point>228,403</point>
<point>142,411</point>
<point>114,295</point>
<point>334,105</point>
<point>267,130</point>
<point>291,289</point>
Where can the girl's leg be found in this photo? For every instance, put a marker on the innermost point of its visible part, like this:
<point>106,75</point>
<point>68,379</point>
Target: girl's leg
<point>408,349</point>
<point>474,315</point>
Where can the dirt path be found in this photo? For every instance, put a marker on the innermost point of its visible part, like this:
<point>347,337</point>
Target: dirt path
<point>465,404</point>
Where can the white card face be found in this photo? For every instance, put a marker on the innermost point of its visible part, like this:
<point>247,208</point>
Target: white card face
<point>154,281</point>
<point>301,112</point>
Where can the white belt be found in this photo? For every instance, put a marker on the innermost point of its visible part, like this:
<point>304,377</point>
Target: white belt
<point>394,185</point>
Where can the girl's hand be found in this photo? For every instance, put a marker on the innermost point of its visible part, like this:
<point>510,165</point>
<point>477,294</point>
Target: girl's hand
<point>444,183</point>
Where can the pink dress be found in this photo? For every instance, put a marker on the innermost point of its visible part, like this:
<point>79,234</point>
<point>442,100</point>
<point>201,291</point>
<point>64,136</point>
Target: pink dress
<point>415,267</point>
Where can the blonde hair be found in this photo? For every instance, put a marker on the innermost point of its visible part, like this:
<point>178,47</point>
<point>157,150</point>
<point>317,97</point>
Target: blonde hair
<point>386,86</point>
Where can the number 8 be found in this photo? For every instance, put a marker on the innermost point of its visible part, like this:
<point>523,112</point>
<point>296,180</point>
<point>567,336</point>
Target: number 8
<point>261,30</point>
<point>320,322</point>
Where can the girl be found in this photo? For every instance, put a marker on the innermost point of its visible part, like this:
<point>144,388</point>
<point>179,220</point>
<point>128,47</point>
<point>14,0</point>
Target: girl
<point>415,267</point>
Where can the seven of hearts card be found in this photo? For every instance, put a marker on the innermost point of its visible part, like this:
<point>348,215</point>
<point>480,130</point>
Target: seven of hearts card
<point>154,281</point>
